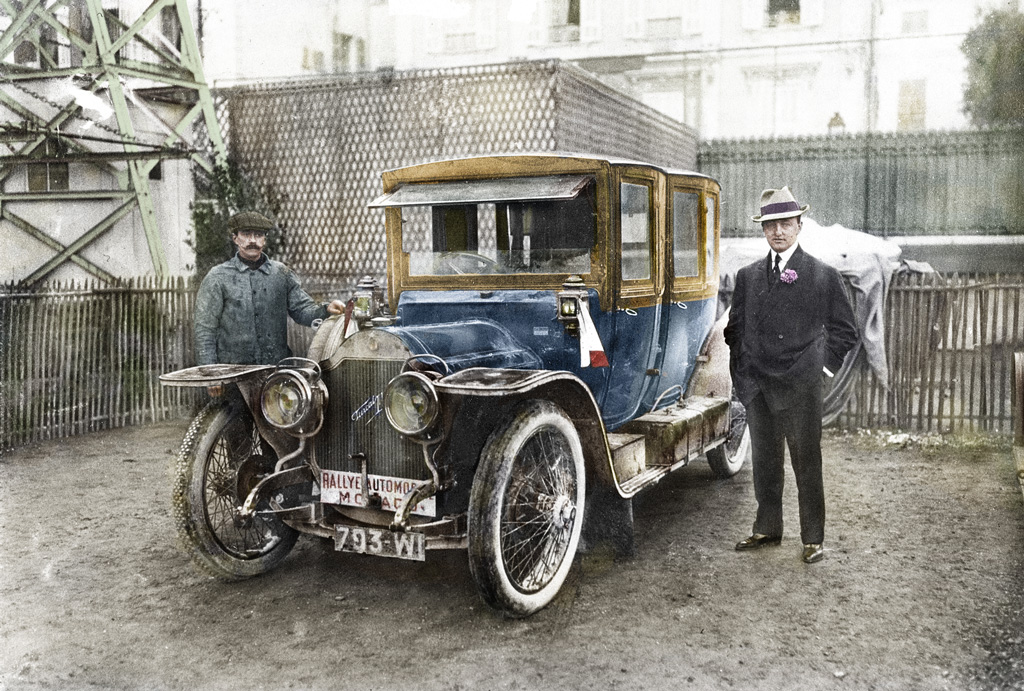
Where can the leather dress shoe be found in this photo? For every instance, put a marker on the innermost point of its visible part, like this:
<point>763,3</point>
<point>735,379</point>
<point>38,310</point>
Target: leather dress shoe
<point>813,553</point>
<point>758,540</point>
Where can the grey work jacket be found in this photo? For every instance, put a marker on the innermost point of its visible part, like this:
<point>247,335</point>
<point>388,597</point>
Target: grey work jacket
<point>242,314</point>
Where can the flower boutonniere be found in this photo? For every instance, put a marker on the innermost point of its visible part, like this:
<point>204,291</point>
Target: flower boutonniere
<point>788,276</point>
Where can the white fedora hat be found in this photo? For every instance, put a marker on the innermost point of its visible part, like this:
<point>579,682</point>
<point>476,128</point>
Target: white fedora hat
<point>776,204</point>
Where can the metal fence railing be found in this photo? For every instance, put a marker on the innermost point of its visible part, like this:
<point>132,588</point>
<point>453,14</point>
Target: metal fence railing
<point>929,183</point>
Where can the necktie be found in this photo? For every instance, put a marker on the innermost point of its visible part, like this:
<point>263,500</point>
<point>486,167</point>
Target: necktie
<point>775,271</point>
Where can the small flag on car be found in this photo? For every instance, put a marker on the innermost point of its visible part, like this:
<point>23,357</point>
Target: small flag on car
<point>591,349</point>
<point>351,325</point>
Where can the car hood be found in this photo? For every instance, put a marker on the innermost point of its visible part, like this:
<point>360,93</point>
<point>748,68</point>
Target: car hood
<point>468,343</point>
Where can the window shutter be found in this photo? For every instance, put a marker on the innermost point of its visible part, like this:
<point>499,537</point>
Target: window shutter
<point>812,12</point>
<point>753,14</point>
<point>487,31</point>
<point>590,20</point>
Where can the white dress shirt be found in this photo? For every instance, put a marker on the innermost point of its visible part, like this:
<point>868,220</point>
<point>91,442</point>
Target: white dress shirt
<point>783,257</point>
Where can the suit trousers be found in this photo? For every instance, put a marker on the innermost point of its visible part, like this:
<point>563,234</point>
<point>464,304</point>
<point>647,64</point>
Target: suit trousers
<point>799,428</point>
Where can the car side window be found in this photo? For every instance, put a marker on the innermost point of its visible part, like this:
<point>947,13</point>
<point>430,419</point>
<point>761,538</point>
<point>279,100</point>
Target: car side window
<point>635,214</point>
<point>686,234</point>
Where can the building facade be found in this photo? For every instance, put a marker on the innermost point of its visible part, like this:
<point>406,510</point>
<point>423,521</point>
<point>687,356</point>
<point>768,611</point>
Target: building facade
<point>255,40</point>
<point>730,68</point>
<point>734,68</point>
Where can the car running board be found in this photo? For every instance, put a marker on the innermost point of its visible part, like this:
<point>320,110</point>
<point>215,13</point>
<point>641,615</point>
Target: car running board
<point>651,446</point>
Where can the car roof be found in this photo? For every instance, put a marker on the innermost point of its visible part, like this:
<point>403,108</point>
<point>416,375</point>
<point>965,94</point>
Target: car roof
<point>599,158</point>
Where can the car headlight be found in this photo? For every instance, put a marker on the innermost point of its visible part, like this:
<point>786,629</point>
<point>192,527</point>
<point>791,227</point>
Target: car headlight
<point>410,402</point>
<point>287,400</point>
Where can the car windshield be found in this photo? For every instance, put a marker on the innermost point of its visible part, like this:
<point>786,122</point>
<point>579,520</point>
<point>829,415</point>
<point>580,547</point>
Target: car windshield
<point>548,229</point>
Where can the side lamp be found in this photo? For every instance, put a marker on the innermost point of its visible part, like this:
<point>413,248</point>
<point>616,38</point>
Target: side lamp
<point>366,302</point>
<point>570,300</point>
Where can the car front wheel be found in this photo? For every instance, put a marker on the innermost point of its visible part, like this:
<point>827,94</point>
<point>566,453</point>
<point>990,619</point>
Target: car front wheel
<point>526,509</point>
<point>222,458</point>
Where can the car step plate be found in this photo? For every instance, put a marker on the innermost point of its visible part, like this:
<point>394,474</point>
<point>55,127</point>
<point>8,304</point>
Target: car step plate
<point>380,542</point>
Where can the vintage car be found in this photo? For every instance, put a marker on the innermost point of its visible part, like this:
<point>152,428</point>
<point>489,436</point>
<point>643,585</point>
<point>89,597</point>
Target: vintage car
<point>547,348</point>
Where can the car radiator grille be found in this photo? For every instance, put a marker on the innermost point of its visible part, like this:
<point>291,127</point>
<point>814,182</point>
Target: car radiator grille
<point>356,425</point>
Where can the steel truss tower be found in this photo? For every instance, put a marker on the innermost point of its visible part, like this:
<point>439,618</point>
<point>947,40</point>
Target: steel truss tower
<point>105,67</point>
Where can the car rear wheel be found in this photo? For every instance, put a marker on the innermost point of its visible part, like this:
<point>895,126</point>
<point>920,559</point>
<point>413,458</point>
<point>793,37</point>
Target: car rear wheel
<point>727,459</point>
<point>222,458</point>
<point>526,509</point>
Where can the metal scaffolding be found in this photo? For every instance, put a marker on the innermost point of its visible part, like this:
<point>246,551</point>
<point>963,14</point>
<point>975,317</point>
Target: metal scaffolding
<point>148,69</point>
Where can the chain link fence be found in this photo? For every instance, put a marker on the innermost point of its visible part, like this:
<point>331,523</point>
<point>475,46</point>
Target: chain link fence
<point>316,148</point>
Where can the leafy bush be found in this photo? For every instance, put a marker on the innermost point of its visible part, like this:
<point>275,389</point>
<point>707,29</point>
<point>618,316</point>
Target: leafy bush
<point>219,195</point>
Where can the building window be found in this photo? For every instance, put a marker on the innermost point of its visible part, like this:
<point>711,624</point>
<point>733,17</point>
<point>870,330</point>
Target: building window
<point>79,23</point>
<point>170,27</point>
<point>664,27</point>
<point>348,53</point>
<point>46,176</point>
<point>112,17</point>
<point>565,21</point>
<point>29,55</point>
<point>460,43</point>
<point>911,105</point>
<point>25,54</point>
<point>313,60</point>
<point>915,22</point>
<point>572,12</point>
<point>783,12</point>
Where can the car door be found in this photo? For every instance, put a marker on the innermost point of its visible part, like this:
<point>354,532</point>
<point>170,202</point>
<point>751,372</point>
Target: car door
<point>633,347</point>
<point>691,304</point>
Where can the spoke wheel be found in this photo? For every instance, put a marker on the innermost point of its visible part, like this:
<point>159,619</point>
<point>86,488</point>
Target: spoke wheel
<point>526,509</point>
<point>221,460</point>
<point>727,459</point>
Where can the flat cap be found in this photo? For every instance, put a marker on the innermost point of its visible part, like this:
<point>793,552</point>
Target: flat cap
<point>250,220</point>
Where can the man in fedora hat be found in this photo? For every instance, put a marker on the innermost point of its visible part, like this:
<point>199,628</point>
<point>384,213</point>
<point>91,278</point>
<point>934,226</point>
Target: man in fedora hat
<point>790,321</point>
<point>243,305</point>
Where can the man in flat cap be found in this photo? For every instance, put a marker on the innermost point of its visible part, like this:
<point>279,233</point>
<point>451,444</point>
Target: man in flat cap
<point>243,305</point>
<point>790,322</point>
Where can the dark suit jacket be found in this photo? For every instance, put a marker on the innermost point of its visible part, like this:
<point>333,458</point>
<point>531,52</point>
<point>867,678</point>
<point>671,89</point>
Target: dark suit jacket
<point>780,334</point>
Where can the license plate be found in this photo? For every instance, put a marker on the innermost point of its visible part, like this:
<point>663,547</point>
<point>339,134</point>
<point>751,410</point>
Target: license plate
<point>379,542</point>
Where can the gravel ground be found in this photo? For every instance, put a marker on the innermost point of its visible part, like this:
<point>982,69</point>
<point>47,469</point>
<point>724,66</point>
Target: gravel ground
<point>921,588</point>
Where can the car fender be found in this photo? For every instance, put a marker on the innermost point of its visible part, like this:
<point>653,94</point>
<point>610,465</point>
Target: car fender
<point>711,375</point>
<point>496,390</point>
<point>249,381</point>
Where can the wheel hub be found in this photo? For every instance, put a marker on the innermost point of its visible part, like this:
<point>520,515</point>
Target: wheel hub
<point>563,511</point>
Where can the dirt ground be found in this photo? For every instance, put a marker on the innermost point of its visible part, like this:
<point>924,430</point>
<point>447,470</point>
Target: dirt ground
<point>921,588</point>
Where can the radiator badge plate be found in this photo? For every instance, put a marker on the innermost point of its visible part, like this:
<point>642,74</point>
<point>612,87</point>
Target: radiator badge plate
<point>346,489</point>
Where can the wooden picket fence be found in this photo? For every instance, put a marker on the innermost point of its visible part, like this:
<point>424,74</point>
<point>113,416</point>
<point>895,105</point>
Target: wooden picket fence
<point>77,358</point>
<point>950,341</point>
